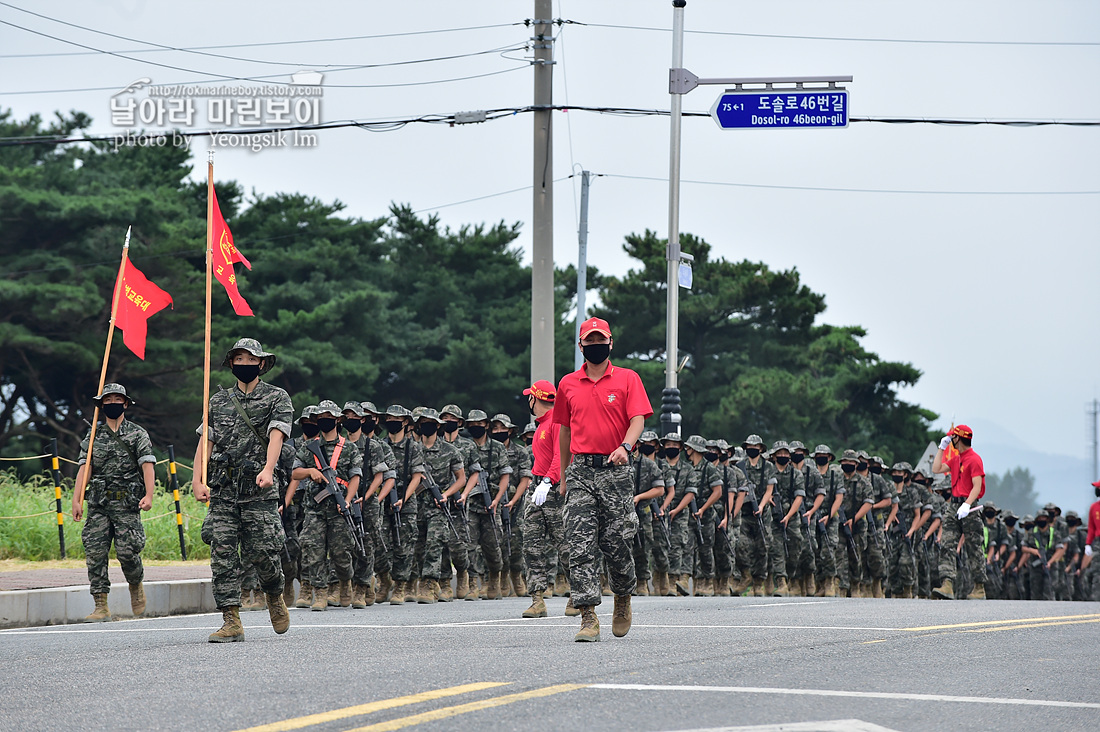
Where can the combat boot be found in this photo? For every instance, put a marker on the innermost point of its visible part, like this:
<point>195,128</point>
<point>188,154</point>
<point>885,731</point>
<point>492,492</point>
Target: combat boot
<point>320,599</point>
<point>446,592</point>
<point>905,594</point>
<point>978,593</point>
<point>757,587</point>
<point>248,604</point>
<point>722,587</point>
<point>305,595</point>
<point>231,630</point>
<point>357,591</point>
<point>571,611</point>
<point>561,587</point>
<point>519,584</point>
<point>423,593</point>
<point>137,599</point>
<point>682,585</point>
<point>538,607</point>
<point>670,585</point>
<point>385,584</point>
<point>345,593</point>
<point>411,591</point>
<point>492,591</point>
<point>620,620</point>
<point>876,590</point>
<point>660,584</point>
<point>398,596</point>
<point>769,586</point>
<point>462,586</point>
<point>821,588</point>
<point>641,589</point>
<point>482,585</point>
<point>739,586</point>
<point>334,595</point>
<point>946,591</point>
<point>288,591</point>
<point>705,587</point>
<point>277,612</point>
<point>590,626</point>
<point>260,600</point>
<point>506,589</point>
<point>781,589</point>
<point>368,593</point>
<point>101,614</point>
<point>830,587</point>
<point>810,585</point>
<point>605,589</point>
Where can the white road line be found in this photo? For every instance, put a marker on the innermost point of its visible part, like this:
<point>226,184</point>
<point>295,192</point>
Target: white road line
<point>855,694</point>
<point>832,725</point>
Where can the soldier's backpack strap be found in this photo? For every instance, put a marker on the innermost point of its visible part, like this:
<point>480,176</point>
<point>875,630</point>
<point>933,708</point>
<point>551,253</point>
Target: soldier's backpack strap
<point>125,446</point>
<point>247,420</point>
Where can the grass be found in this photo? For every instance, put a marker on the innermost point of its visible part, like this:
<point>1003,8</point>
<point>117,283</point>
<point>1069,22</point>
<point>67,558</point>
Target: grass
<point>35,538</point>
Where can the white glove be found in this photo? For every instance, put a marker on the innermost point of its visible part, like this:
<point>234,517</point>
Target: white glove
<point>945,442</point>
<point>541,490</point>
<point>1088,550</point>
<point>964,511</point>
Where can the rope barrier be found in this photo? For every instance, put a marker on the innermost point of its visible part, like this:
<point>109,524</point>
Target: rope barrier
<point>33,515</point>
<point>32,457</point>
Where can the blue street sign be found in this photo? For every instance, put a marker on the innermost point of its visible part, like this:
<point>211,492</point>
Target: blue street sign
<point>781,109</point>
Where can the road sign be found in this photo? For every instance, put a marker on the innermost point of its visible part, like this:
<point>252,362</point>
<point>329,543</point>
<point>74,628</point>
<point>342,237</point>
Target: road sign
<point>763,109</point>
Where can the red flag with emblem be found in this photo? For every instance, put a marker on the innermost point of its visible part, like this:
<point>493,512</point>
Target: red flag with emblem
<point>138,300</point>
<point>225,255</point>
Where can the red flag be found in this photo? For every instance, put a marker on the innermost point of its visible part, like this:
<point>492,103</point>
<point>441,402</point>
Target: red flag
<point>225,254</point>
<point>138,300</point>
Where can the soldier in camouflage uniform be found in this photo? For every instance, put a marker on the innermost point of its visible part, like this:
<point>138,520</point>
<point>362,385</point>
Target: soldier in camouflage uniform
<point>372,510</point>
<point>399,513</point>
<point>247,426</point>
<point>356,420</point>
<point>903,526</point>
<point>447,474</point>
<point>502,430</point>
<point>649,484</point>
<point>872,549</point>
<point>709,486</point>
<point>857,501</point>
<point>1077,541</point>
<point>788,497</point>
<point>1061,532</point>
<point>1012,585</point>
<point>1045,549</point>
<point>458,552</point>
<point>294,514</point>
<point>995,541</point>
<point>760,556</point>
<point>121,486</point>
<point>727,574</point>
<point>822,515</point>
<point>923,560</point>
<point>481,497</point>
<point>325,534</point>
<point>679,520</point>
<point>811,551</point>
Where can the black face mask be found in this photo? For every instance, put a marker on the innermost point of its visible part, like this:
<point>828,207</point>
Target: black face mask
<point>499,436</point>
<point>752,452</point>
<point>369,425</point>
<point>246,373</point>
<point>711,457</point>
<point>476,431</point>
<point>782,459</point>
<point>671,452</point>
<point>1098,492</point>
<point>647,449</point>
<point>1041,524</point>
<point>393,426</point>
<point>821,459</point>
<point>310,430</point>
<point>848,468</point>
<point>353,425</point>
<point>596,353</point>
<point>897,478</point>
<point>797,458</point>
<point>1010,523</point>
<point>113,411</point>
<point>429,428</point>
<point>449,427</point>
<point>876,469</point>
<point>861,466</point>
<point>327,424</point>
<point>988,514</point>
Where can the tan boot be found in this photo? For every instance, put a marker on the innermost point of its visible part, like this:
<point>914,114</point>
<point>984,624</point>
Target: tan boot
<point>978,593</point>
<point>620,620</point>
<point>590,626</point>
<point>357,592</point>
<point>821,588</point>
<point>320,599</point>
<point>368,593</point>
<point>446,592</point>
<point>605,589</point>
<point>721,586</point>
<point>905,594</point>
<point>670,585</point>
<point>277,612</point>
<point>345,593</point>
<point>642,588</point>
<point>519,584</point>
<point>561,587</point>
<point>248,603</point>
<point>769,586</point>
<point>708,587</point>
<point>462,586</point>
<point>571,611</point>
<point>492,591</point>
<point>781,588</point>
<point>538,607</point>
<point>305,595</point>
<point>385,585</point>
<point>876,590</point>
<point>945,591</point>
<point>757,587</point>
<point>137,599</point>
<point>506,589</point>
<point>811,586</point>
<point>682,585</point>
<point>739,586</point>
<point>101,614</point>
<point>288,591</point>
<point>425,594</point>
<point>398,596</point>
<point>260,599</point>
<point>412,590</point>
<point>830,587</point>
<point>482,588</point>
<point>334,595</point>
<point>659,584</point>
<point>231,630</point>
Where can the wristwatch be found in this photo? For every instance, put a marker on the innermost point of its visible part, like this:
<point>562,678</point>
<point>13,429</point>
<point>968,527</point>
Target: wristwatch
<point>626,446</point>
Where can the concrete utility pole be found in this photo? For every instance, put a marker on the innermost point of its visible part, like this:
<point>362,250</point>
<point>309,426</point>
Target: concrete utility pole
<point>1094,412</point>
<point>582,264</point>
<point>542,217</point>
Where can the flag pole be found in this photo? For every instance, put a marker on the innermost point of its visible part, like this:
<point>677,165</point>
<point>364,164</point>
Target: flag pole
<point>203,441</point>
<point>78,494</point>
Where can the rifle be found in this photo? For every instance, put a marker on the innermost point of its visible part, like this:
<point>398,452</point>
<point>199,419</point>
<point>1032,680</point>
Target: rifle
<point>659,519</point>
<point>483,482</point>
<point>465,520</point>
<point>506,528</point>
<point>904,529</point>
<point>777,517</point>
<point>754,506</point>
<point>433,488</point>
<point>726,510</point>
<point>847,531</point>
<point>697,523</point>
<point>1042,555</point>
<point>332,488</point>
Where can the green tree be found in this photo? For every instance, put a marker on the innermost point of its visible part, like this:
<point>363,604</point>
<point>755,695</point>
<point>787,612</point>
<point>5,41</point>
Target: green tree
<point>1015,491</point>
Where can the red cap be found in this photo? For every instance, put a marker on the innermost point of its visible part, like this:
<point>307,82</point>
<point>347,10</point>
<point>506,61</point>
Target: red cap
<point>962,431</point>
<point>541,389</point>
<point>597,325</point>
<point>1096,484</point>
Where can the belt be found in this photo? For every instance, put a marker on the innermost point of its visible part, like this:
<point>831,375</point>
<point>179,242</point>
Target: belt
<point>595,461</point>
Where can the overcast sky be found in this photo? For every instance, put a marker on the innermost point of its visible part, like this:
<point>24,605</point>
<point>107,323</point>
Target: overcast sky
<point>969,251</point>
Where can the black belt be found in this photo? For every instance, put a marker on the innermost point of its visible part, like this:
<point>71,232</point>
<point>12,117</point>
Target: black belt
<point>595,461</point>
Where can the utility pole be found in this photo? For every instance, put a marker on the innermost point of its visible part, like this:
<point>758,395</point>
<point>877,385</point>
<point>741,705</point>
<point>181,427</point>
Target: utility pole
<point>582,264</point>
<point>670,397</point>
<point>542,217</point>
<point>1094,411</point>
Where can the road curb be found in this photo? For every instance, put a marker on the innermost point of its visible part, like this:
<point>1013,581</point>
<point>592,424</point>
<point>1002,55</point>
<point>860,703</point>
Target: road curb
<point>62,605</point>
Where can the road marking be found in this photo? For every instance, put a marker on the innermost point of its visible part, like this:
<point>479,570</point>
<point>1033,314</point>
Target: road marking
<point>1000,622</point>
<point>361,709</point>
<point>855,694</point>
<point>1032,625</point>
<point>448,712</point>
<point>833,725</point>
<point>867,643</point>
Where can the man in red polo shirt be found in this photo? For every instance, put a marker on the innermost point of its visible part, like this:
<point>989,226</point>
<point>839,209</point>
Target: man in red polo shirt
<point>602,410</point>
<point>967,488</point>
<point>1090,574</point>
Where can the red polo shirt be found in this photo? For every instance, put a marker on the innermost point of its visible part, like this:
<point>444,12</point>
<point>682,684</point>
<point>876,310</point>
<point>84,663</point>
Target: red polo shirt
<point>1094,523</point>
<point>964,468</point>
<point>598,413</point>
<point>545,448</point>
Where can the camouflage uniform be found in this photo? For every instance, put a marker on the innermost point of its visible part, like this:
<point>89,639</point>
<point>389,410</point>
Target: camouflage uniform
<point>372,510</point>
<point>409,455</point>
<point>681,534</point>
<point>325,533</point>
<point>873,544</point>
<point>706,479</point>
<point>725,542</point>
<point>114,491</point>
<point>827,530</point>
<point>597,521</point>
<point>457,552</point>
<point>994,536</point>
<point>484,529</point>
<point>814,486</point>
<point>375,461</point>
<point>759,546</point>
<point>953,528</point>
<point>1046,539</point>
<point>790,484</point>
<point>433,531</point>
<point>521,462</point>
<point>902,556</point>
<point>857,491</point>
<point>646,476</point>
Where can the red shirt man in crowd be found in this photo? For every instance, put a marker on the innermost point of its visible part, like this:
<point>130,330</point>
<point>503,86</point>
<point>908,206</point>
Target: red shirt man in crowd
<point>967,487</point>
<point>1092,546</point>
<point>602,410</point>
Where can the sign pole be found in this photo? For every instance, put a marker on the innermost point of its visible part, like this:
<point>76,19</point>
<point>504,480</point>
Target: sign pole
<point>670,397</point>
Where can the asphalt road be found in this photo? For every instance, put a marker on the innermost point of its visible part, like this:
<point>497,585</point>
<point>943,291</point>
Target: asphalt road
<point>687,664</point>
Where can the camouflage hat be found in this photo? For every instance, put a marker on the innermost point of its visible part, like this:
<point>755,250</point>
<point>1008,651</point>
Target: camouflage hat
<point>696,443</point>
<point>355,408</point>
<point>477,415</point>
<point>416,413</point>
<point>904,467</point>
<point>796,445</point>
<point>113,389</point>
<point>1069,514</point>
<point>850,455</point>
<point>878,461</point>
<point>427,413</point>
<point>251,345</point>
<point>1027,519</point>
<point>824,450</point>
<point>673,437</point>
<point>1010,515</point>
<point>919,471</point>
<point>862,454</point>
<point>451,409</point>
<point>779,445</point>
<point>1050,507</point>
<point>738,453</point>
<point>504,419</point>
<point>308,412</point>
<point>329,406</point>
<point>990,505</point>
<point>648,436</point>
<point>396,410</point>
<point>369,407</point>
<point>723,445</point>
<point>752,440</point>
<point>712,443</point>
<point>529,429</point>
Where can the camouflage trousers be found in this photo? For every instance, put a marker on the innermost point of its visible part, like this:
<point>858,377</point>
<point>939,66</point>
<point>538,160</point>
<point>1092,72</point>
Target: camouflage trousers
<point>325,538</point>
<point>244,533</point>
<point>825,548</point>
<point>923,558</point>
<point>599,519</point>
<point>683,543</point>
<point>403,551</point>
<point>105,524</point>
<point>849,562</point>
<point>873,553</point>
<point>704,552</point>
<point>362,563</point>
<point>725,549</point>
<point>752,547</point>
<point>514,562</point>
<point>431,535</point>
<point>372,520</point>
<point>795,546</point>
<point>1090,578</point>
<point>971,527</point>
<point>485,534</point>
<point>902,564</point>
<point>656,547</point>
<point>543,539</point>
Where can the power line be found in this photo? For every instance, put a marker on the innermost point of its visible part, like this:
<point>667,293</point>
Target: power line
<point>482,198</point>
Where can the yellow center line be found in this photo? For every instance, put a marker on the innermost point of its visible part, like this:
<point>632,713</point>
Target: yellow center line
<point>867,643</point>
<point>447,712</point>
<point>361,709</point>
<point>1032,625</point>
<point>1000,622</point>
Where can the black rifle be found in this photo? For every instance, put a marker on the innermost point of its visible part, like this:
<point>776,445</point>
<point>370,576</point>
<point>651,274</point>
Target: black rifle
<point>444,505</point>
<point>506,528</point>
<point>332,488</point>
<point>696,522</point>
<point>846,531</point>
<point>465,519</point>
<point>904,529</point>
<point>754,507</point>
<point>726,510</point>
<point>1042,554</point>
<point>777,517</point>
<point>659,519</point>
<point>395,510</point>
<point>483,482</point>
